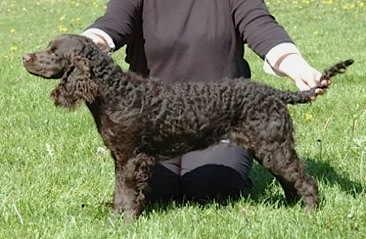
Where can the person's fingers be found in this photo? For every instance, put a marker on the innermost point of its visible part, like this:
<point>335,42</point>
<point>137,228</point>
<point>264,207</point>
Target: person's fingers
<point>326,83</point>
<point>104,47</point>
<point>317,76</point>
<point>320,91</point>
<point>306,80</point>
<point>301,85</point>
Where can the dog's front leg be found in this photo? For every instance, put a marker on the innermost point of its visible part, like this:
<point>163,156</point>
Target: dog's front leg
<point>131,185</point>
<point>124,191</point>
<point>118,185</point>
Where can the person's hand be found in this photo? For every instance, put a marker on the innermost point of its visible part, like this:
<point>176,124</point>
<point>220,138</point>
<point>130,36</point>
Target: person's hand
<point>304,76</point>
<point>99,41</point>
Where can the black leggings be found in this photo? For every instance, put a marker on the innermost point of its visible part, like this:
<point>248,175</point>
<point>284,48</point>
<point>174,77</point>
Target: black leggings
<point>218,172</point>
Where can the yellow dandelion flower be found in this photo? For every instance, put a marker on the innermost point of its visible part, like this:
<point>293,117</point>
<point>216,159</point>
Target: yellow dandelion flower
<point>308,117</point>
<point>13,48</point>
<point>12,31</point>
<point>62,18</point>
<point>24,9</point>
<point>95,4</point>
<point>78,19</point>
<point>62,28</point>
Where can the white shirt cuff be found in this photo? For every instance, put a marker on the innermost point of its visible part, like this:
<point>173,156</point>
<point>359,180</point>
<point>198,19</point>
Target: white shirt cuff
<point>95,32</point>
<point>275,54</point>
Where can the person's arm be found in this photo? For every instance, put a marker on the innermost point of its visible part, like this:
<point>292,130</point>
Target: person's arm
<point>116,26</point>
<point>262,33</point>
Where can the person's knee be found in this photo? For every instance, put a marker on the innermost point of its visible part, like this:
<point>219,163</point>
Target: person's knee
<point>220,171</point>
<point>215,182</point>
<point>164,184</point>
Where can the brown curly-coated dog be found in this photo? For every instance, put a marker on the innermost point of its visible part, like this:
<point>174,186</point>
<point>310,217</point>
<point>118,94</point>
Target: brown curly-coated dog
<point>143,120</point>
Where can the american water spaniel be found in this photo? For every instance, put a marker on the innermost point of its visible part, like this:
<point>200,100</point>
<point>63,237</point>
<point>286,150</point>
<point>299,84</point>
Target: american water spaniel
<point>143,120</point>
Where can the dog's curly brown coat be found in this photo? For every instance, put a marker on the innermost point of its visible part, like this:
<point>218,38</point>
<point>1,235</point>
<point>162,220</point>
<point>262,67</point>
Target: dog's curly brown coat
<point>143,120</point>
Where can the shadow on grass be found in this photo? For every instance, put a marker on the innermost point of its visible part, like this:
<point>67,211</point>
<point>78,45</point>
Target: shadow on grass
<point>266,189</point>
<point>263,183</point>
<point>326,174</point>
<point>322,172</point>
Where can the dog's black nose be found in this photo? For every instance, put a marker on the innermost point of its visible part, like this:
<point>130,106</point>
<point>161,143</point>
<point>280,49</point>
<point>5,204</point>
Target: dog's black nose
<point>26,58</point>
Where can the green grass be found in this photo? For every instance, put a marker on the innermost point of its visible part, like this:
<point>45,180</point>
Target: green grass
<point>54,182</point>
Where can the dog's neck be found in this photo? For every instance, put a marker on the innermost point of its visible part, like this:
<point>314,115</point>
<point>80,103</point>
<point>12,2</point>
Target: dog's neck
<point>106,72</point>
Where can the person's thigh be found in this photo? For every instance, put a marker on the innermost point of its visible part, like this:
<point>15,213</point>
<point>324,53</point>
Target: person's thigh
<point>218,172</point>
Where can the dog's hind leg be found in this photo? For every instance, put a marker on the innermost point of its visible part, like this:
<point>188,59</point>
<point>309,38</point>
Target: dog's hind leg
<point>289,171</point>
<point>282,161</point>
<point>272,145</point>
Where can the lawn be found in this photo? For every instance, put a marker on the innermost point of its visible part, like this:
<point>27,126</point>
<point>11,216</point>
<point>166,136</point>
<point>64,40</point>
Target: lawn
<point>56,175</point>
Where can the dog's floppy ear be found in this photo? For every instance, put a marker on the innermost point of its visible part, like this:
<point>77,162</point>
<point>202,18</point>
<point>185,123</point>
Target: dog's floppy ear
<point>76,85</point>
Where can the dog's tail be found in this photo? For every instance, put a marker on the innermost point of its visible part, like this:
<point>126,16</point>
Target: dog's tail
<point>307,96</point>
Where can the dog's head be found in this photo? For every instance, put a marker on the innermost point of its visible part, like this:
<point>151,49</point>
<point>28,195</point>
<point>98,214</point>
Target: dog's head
<point>66,58</point>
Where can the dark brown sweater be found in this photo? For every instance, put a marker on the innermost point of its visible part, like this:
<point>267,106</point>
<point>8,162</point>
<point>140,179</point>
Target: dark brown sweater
<point>190,40</point>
